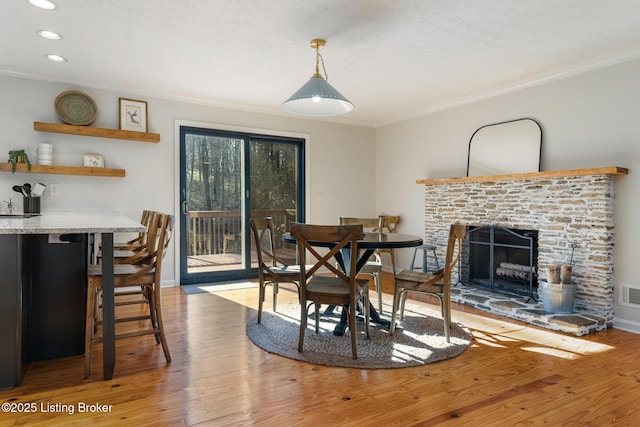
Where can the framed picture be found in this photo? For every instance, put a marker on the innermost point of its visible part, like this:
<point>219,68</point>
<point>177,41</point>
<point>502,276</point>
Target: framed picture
<point>133,115</point>
<point>93,160</point>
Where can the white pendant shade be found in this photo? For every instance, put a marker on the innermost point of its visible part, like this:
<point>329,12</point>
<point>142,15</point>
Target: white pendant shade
<point>317,98</point>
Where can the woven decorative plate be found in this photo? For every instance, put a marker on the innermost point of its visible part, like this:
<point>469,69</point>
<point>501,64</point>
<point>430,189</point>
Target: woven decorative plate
<point>76,108</point>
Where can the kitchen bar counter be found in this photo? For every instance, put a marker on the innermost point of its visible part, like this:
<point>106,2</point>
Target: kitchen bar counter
<point>59,223</point>
<point>18,266</point>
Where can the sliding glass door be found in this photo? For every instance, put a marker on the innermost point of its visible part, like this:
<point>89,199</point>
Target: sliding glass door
<point>225,178</point>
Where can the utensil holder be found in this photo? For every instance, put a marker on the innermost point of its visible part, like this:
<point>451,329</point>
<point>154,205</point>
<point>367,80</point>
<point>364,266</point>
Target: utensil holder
<point>31,205</point>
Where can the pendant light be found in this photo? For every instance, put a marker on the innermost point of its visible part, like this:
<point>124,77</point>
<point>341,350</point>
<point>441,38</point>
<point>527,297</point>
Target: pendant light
<point>317,97</point>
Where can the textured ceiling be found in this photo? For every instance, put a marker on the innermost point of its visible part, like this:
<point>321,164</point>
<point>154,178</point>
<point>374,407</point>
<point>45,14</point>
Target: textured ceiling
<point>392,59</point>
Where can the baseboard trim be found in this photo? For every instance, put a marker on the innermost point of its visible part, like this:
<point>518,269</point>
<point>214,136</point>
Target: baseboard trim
<point>167,283</point>
<point>626,325</point>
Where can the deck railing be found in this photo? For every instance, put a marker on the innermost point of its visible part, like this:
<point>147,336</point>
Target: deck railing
<point>218,232</point>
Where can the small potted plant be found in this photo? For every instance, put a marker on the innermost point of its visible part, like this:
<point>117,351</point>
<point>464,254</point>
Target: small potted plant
<point>18,156</point>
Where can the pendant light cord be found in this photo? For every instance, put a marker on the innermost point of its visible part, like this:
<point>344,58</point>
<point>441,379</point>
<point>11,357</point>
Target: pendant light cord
<point>320,60</point>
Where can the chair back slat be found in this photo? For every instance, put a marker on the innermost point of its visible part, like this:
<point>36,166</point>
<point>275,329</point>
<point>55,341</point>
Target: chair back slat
<point>263,238</point>
<point>456,235</point>
<point>341,236</point>
<point>159,237</point>
<point>144,220</point>
<point>389,223</point>
<point>164,239</point>
<point>368,224</point>
<point>141,240</point>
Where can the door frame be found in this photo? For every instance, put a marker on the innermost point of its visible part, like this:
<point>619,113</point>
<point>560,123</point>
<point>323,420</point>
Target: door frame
<point>231,128</point>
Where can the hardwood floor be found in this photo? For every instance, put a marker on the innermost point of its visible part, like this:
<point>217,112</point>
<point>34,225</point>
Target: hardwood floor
<point>513,374</point>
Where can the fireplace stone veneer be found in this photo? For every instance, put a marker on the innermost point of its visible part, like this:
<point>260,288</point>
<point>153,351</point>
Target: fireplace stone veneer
<point>565,207</point>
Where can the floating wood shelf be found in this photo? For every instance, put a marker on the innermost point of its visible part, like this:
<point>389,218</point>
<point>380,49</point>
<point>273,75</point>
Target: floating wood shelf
<point>607,170</point>
<point>64,170</point>
<point>97,132</point>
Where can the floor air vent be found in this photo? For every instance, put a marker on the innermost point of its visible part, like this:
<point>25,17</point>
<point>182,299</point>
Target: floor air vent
<point>630,295</point>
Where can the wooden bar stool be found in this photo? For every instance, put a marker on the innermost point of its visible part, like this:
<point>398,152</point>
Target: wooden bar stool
<point>145,276</point>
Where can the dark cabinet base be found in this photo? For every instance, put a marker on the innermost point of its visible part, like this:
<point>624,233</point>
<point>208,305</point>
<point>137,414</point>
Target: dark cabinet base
<point>58,295</point>
<point>14,309</point>
<point>42,301</point>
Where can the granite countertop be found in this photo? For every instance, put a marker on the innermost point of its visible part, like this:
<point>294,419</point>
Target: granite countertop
<point>75,222</point>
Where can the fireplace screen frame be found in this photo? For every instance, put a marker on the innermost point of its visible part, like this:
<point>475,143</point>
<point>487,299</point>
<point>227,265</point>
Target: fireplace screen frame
<point>529,239</point>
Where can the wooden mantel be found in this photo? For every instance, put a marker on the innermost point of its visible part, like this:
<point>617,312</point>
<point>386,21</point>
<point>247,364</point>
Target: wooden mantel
<point>607,170</point>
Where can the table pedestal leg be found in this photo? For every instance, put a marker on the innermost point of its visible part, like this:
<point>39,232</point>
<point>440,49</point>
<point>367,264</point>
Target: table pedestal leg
<point>344,260</point>
<point>374,317</point>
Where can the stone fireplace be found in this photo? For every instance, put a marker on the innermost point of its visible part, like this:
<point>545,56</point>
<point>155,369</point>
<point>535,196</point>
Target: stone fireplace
<point>571,212</point>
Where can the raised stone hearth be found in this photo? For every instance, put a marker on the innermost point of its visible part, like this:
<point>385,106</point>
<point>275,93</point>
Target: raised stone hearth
<point>579,323</point>
<point>566,208</point>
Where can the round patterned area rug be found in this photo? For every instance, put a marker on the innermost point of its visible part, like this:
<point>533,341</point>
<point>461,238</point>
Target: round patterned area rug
<point>418,340</point>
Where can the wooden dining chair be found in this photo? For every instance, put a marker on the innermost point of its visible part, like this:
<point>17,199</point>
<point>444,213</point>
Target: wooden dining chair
<point>271,269</point>
<point>437,283</point>
<point>340,289</point>
<point>389,225</point>
<point>146,275</point>
<point>373,266</point>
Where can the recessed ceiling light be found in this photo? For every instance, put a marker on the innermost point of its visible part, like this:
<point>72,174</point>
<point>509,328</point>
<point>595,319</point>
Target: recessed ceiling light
<point>56,58</point>
<point>43,4</point>
<point>49,35</point>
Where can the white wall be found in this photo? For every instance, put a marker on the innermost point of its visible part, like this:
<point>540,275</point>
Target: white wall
<point>588,120</point>
<point>335,186</point>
